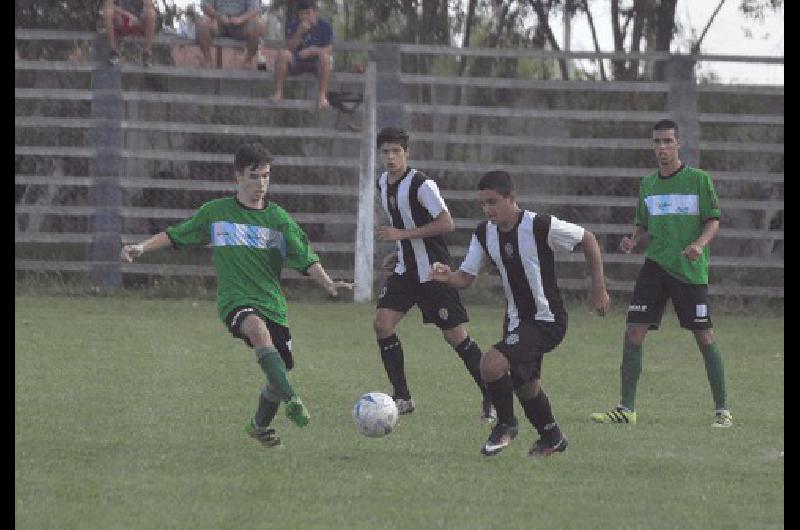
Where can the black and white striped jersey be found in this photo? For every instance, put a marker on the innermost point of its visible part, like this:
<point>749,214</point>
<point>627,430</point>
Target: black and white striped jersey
<point>414,201</point>
<point>524,258</point>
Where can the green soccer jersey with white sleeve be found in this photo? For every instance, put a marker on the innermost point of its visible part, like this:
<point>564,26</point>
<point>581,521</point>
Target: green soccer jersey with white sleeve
<point>250,248</point>
<point>673,210</point>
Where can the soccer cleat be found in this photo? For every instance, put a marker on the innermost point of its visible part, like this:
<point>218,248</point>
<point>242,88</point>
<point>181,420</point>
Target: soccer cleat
<point>113,57</point>
<point>263,435</point>
<point>618,414</point>
<point>542,449</point>
<point>499,438</point>
<point>404,406</point>
<point>488,412</point>
<point>722,418</point>
<point>297,412</point>
<point>147,59</point>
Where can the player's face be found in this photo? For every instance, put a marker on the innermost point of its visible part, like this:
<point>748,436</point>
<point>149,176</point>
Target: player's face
<point>666,145</point>
<point>498,209</point>
<point>393,157</point>
<point>253,183</point>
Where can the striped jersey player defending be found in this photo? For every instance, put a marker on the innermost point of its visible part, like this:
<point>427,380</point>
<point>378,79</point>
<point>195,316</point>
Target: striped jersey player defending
<point>520,244</point>
<point>418,219</point>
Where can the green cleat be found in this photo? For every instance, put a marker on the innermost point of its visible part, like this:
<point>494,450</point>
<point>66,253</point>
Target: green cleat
<point>722,418</point>
<point>297,412</point>
<point>618,414</point>
<point>265,436</point>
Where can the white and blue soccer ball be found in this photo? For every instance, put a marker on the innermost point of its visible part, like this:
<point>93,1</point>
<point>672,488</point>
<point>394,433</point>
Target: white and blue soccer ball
<point>375,414</point>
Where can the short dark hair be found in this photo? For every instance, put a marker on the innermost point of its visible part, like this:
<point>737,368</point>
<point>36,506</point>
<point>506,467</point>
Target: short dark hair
<point>499,181</point>
<point>394,135</point>
<point>302,5</point>
<point>250,156</point>
<point>663,125</point>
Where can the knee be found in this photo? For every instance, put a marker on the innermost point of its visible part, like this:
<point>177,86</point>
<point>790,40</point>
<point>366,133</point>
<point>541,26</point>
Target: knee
<point>529,390</point>
<point>454,336</point>
<point>383,328</point>
<point>149,12</point>
<point>255,29</point>
<point>635,334</point>
<point>493,366</point>
<point>705,337</point>
<point>284,56</point>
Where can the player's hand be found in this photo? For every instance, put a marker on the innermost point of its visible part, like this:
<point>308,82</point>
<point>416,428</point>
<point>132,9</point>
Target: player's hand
<point>333,287</point>
<point>601,302</point>
<point>129,252</point>
<point>388,233</point>
<point>440,272</point>
<point>626,245</point>
<point>389,261</point>
<point>692,252</point>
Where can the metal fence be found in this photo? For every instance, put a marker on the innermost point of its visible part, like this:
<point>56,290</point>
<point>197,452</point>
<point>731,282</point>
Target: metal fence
<point>107,156</point>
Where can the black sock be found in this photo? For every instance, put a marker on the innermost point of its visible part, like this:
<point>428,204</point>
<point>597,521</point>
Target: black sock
<point>267,408</point>
<point>470,353</point>
<point>538,412</point>
<point>502,393</point>
<point>392,357</point>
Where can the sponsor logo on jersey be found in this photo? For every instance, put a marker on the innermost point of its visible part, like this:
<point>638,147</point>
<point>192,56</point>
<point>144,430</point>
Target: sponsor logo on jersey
<point>673,204</point>
<point>638,308</point>
<point>226,234</point>
<point>509,250</point>
<point>443,314</point>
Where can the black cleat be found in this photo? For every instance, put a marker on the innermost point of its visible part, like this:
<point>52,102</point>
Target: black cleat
<point>500,438</point>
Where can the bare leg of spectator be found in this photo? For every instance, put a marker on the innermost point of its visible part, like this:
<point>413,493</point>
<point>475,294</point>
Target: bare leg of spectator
<point>324,76</point>
<point>281,69</point>
<point>254,30</point>
<point>108,15</point>
<point>206,28</point>
<point>149,26</point>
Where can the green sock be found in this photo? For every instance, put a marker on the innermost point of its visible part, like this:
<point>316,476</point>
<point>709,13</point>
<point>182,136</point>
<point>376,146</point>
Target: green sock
<point>268,404</point>
<point>629,371</point>
<point>271,363</point>
<point>715,370</point>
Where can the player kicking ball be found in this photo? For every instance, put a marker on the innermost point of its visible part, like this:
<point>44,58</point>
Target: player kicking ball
<point>252,240</point>
<point>520,244</point>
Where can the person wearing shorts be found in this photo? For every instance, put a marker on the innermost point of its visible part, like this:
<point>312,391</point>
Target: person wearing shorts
<point>418,220</point>
<point>520,245</point>
<point>677,216</point>
<point>232,19</point>
<point>129,18</point>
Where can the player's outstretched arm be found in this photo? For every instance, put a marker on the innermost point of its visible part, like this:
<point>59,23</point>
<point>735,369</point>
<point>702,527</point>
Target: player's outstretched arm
<point>458,279</point>
<point>317,272</point>
<point>594,261</point>
<point>158,241</point>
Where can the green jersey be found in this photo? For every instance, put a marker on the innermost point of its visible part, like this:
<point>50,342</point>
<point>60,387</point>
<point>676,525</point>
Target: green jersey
<point>673,210</point>
<point>250,247</point>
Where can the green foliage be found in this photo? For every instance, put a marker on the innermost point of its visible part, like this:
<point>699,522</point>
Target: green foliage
<point>129,414</point>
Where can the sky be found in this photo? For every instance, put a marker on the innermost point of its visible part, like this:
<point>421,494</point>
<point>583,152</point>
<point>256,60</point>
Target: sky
<point>730,34</point>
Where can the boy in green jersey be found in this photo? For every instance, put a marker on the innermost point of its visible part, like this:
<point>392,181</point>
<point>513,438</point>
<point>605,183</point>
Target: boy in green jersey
<point>677,216</point>
<point>252,239</point>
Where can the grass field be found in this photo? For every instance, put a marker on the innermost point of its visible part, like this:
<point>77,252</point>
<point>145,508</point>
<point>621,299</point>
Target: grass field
<point>129,415</point>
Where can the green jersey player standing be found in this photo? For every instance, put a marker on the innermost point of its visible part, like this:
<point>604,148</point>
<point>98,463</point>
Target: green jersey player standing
<point>677,216</point>
<point>252,240</point>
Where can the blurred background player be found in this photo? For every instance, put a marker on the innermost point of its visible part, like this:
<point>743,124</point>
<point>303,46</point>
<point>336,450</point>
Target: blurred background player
<point>252,240</point>
<point>520,244</point>
<point>130,17</point>
<point>677,216</point>
<point>419,218</point>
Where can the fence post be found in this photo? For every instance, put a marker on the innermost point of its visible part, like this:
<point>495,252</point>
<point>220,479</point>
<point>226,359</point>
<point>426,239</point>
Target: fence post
<point>389,90</point>
<point>365,251</point>
<point>106,168</point>
<point>682,104</point>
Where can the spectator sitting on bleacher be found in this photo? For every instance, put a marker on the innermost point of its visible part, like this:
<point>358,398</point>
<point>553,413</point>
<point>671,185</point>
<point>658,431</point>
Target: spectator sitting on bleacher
<point>235,19</point>
<point>130,17</point>
<point>309,48</point>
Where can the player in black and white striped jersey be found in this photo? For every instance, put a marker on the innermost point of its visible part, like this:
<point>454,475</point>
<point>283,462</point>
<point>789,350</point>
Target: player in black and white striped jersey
<point>419,218</point>
<point>520,244</point>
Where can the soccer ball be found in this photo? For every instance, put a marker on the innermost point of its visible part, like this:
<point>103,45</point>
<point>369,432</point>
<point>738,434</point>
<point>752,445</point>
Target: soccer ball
<point>375,414</point>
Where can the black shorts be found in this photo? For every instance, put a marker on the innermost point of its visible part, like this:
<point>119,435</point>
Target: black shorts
<point>525,346</point>
<point>281,337</point>
<point>439,303</point>
<point>655,286</point>
<point>299,65</point>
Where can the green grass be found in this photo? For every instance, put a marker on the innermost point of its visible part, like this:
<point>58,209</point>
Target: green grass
<point>129,414</point>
